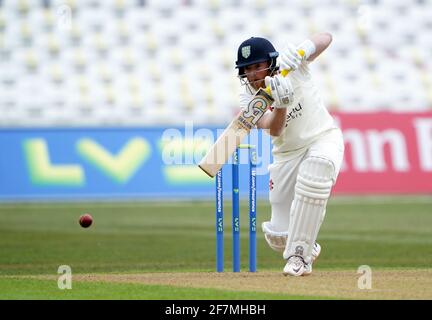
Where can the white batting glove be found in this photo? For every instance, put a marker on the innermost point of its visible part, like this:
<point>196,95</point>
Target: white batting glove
<point>281,90</point>
<point>290,59</point>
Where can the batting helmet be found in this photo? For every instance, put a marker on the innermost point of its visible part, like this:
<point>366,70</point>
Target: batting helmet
<point>255,50</point>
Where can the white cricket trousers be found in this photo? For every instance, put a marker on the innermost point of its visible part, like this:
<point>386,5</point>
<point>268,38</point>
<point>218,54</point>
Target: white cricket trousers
<point>283,176</point>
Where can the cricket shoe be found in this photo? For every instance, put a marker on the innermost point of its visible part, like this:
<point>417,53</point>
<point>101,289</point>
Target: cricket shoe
<point>295,266</point>
<point>315,254</point>
<point>307,269</point>
<point>316,250</point>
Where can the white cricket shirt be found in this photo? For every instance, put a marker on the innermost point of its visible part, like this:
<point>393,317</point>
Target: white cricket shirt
<point>307,117</point>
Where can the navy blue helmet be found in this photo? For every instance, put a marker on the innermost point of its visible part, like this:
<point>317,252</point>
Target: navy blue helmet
<point>255,50</point>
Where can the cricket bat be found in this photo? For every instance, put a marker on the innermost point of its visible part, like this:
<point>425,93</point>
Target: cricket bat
<point>239,128</point>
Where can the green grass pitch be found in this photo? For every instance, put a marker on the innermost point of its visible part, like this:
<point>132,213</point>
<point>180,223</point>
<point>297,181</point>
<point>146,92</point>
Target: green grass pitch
<point>178,238</point>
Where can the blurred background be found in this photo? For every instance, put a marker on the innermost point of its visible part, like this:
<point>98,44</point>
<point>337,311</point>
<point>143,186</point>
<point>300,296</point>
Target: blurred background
<point>87,84</point>
<point>108,100</point>
<point>148,62</point>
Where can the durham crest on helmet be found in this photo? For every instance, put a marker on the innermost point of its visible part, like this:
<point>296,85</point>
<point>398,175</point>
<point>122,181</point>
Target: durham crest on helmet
<point>246,51</point>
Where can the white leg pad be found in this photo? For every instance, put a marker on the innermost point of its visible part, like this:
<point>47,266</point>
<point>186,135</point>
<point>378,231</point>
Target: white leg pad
<point>276,240</point>
<point>312,190</point>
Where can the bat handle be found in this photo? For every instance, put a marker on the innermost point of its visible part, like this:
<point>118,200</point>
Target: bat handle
<point>285,72</point>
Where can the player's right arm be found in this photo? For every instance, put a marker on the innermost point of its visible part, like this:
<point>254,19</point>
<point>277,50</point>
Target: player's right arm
<point>283,94</point>
<point>273,121</point>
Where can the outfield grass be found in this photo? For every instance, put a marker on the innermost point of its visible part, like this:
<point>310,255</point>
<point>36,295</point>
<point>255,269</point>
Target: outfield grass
<point>387,233</point>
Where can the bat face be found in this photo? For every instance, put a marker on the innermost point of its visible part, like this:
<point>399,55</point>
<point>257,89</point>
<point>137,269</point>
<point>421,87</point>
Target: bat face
<point>255,109</point>
<point>233,135</point>
<point>240,127</point>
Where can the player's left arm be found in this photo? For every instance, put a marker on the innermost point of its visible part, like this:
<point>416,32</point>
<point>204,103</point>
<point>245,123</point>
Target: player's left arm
<point>321,41</point>
<point>290,58</point>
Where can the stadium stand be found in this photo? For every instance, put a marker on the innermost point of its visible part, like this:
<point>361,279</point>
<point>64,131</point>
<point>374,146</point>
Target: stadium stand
<point>149,62</point>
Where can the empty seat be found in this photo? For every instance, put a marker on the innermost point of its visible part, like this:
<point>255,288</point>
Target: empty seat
<point>163,62</point>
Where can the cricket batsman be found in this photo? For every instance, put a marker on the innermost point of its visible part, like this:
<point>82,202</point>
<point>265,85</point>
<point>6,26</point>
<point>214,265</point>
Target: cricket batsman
<point>307,149</point>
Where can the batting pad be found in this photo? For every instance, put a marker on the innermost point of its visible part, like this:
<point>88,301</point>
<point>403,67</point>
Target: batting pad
<point>312,190</point>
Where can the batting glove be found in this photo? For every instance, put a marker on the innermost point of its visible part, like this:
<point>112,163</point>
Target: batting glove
<point>290,59</point>
<point>281,90</point>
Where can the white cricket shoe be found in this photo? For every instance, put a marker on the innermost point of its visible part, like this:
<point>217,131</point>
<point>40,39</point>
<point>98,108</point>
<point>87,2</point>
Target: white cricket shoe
<point>316,250</point>
<point>315,254</point>
<point>295,266</point>
<point>307,269</point>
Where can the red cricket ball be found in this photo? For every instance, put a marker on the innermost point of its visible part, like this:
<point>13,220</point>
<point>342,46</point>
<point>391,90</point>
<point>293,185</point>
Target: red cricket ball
<point>85,220</point>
